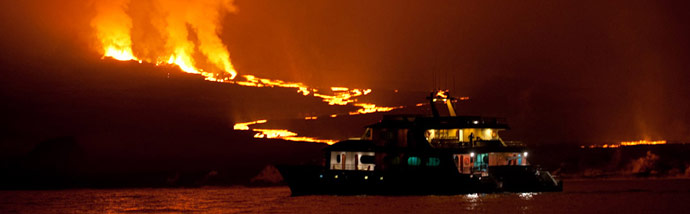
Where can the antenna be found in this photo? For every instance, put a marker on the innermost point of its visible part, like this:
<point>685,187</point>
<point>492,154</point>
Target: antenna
<point>446,79</point>
<point>433,80</point>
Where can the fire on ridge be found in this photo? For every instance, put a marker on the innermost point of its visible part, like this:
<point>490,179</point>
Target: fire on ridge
<point>113,29</point>
<point>178,18</point>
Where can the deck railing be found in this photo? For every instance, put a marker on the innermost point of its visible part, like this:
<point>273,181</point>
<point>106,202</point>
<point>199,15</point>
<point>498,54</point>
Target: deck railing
<point>361,167</point>
<point>515,143</point>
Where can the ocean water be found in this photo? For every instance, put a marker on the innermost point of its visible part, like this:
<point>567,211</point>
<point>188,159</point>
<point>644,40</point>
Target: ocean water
<point>583,196</point>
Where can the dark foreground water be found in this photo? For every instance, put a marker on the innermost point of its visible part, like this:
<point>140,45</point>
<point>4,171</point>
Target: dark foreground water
<point>586,196</point>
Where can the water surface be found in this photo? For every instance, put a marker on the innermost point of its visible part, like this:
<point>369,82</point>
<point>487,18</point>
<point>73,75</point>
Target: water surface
<point>585,196</point>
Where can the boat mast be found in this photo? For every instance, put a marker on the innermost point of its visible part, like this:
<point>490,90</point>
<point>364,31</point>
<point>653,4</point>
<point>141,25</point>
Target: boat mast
<point>443,96</point>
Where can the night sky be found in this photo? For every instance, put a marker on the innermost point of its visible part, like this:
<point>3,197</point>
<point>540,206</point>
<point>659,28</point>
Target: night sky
<point>561,72</point>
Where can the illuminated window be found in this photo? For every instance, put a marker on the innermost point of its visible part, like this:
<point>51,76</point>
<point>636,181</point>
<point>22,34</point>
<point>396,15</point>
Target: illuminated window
<point>443,135</point>
<point>414,161</point>
<point>488,134</point>
<point>433,162</point>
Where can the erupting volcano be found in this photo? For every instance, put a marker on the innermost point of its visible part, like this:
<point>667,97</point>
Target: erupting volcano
<point>176,22</point>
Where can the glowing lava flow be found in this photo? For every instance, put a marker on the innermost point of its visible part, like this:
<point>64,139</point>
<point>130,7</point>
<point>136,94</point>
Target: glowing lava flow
<point>278,133</point>
<point>341,95</point>
<point>642,142</point>
<point>628,143</point>
<point>367,108</point>
<point>245,126</point>
<point>288,135</point>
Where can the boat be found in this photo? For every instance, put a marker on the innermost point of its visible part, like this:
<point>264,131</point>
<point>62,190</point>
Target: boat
<point>423,155</point>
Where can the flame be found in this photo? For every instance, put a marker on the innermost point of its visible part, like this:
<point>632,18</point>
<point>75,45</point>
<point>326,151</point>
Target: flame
<point>113,27</point>
<point>273,133</point>
<point>367,108</point>
<point>628,143</point>
<point>245,125</point>
<point>642,142</point>
<point>288,135</point>
<point>184,62</point>
<point>202,17</point>
<point>113,30</point>
<point>119,53</point>
<point>206,25</point>
<point>253,81</point>
<point>341,95</point>
<point>278,133</point>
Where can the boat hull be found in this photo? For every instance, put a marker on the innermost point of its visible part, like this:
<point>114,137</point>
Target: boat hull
<point>314,180</point>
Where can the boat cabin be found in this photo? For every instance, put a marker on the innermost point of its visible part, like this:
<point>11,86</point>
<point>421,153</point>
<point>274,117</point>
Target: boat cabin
<point>435,132</point>
<point>471,144</point>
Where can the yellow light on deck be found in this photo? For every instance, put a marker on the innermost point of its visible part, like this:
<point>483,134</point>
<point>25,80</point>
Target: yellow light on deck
<point>471,154</point>
<point>524,154</point>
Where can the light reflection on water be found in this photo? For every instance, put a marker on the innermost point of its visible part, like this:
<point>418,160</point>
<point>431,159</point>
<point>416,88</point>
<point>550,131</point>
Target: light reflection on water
<point>640,196</point>
<point>472,196</point>
<point>527,195</point>
<point>473,201</point>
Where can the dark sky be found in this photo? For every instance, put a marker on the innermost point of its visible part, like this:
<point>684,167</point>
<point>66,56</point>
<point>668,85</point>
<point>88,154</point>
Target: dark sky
<point>560,71</point>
